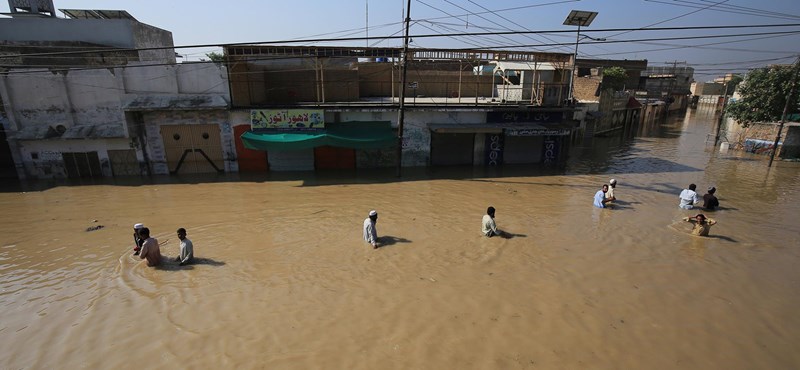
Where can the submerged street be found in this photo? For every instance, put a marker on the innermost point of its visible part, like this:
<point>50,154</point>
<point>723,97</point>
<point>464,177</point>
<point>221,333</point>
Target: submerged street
<point>285,280</point>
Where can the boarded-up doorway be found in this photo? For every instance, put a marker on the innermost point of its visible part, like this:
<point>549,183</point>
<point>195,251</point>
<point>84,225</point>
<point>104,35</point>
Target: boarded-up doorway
<point>193,148</point>
<point>124,162</point>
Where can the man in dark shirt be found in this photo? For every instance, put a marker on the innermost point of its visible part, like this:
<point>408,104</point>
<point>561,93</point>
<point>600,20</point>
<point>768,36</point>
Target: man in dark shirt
<point>710,202</point>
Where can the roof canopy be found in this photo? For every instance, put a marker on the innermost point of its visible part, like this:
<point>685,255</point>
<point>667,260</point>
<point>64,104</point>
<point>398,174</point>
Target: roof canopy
<point>355,135</point>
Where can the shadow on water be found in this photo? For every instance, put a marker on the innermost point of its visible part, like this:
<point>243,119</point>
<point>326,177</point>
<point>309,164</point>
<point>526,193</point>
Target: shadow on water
<point>613,152</point>
<point>388,240</point>
<point>172,265</point>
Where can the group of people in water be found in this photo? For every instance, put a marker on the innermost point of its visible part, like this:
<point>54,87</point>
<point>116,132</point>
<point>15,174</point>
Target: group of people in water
<point>688,200</point>
<point>147,247</point>
<point>604,196</point>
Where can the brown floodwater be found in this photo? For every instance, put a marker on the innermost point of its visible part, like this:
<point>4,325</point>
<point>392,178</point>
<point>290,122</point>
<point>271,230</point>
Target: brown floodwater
<point>284,279</point>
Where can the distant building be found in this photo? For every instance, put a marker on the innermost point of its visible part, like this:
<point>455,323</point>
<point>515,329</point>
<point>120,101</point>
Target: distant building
<point>601,110</point>
<point>669,84</point>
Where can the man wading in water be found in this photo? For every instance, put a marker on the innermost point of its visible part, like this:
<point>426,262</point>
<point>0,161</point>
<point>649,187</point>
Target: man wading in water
<point>702,225</point>
<point>150,248</point>
<point>370,232</point>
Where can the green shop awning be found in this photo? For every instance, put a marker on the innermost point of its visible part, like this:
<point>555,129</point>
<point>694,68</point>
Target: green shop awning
<point>355,135</point>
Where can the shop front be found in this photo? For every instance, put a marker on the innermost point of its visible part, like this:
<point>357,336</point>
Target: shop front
<point>300,139</point>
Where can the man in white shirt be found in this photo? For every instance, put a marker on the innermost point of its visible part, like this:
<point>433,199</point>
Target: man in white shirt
<point>370,232</point>
<point>187,249</point>
<point>689,197</point>
<point>488,226</point>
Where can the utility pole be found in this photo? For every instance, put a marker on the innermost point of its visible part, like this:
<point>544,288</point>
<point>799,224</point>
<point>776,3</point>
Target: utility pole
<point>401,110</point>
<point>722,113</point>
<point>796,68</point>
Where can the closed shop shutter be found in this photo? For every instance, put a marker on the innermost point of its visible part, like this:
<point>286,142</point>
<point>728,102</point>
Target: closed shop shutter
<point>193,148</point>
<point>451,149</point>
<point>523,149</point>
<point>82,165</point>
<point>333,158</point>
<point>291,160</point>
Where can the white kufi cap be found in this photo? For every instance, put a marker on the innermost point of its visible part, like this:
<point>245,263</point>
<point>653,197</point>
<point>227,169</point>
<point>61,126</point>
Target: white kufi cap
<point>373,213</point>
<point>138,226</point>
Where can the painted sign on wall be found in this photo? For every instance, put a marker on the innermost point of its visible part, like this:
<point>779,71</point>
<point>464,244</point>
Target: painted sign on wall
<point>537,131</point>
<point>524,117</point>
<point>287,119</point>
<point>494,149</point>
<point>550,150</point>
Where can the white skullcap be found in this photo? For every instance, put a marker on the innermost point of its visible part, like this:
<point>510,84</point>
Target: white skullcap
<point>138,226</point>
<point>613,181</point>
<point>373,213</point>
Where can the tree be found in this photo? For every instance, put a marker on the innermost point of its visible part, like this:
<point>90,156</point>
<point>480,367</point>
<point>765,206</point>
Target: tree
<point>614,78</point>
<point>763,96</point>
<point>215,57</point>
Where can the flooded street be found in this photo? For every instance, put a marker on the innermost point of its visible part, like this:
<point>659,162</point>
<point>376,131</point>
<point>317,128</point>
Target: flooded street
<point>286,281</point>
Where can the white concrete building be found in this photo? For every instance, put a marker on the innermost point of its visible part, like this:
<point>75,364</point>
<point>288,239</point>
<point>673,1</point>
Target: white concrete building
<point>107,122</point>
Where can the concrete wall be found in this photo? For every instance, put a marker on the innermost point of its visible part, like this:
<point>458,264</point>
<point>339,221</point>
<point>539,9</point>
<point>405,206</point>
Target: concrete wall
<point>35,99</point>
<point>112,32</point>
<point>50,164</point>
<point>119,33</point>
<point>92,97</point>
<point>184,78</point>
<point>147,36</point>
<point>791,142</point>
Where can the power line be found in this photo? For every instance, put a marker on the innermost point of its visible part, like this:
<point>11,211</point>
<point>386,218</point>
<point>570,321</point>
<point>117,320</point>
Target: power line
<point>510,21</point>
<point>709,47</point>
<point>657,39</point>
<point>442,11</point>
<point>670,19</point>
<point>731,9</point>
<point>463,34</point>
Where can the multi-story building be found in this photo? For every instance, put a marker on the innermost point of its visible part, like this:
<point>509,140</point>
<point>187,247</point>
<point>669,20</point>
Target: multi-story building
<point>115,99</point>
<point>304,108</point>
<point>668,84</point>
<point>602,110</point>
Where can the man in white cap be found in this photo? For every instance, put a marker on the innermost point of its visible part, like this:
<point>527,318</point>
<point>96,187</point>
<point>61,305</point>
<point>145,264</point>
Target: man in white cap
<point>370,232</point>
<point>137,240</point>
<point>610,193</point>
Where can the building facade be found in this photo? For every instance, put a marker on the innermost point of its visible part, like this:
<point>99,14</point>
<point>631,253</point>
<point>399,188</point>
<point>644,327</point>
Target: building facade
<point>462,107</point>
<point>116,121</point>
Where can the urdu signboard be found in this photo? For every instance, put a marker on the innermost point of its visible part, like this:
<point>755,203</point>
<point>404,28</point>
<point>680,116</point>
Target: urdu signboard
<point>287,119</point>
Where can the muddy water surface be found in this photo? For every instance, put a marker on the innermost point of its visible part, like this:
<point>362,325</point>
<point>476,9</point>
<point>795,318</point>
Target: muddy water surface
<point>285,281</point>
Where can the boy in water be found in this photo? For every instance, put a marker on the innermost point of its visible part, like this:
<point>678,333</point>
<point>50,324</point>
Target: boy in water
<point>702,225</point>
<point>137,241</point>
<point>187,249</point>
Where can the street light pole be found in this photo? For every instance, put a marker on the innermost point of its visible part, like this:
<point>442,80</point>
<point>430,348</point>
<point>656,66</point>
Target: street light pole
<point>578,18</point>
<point>574,63</point>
